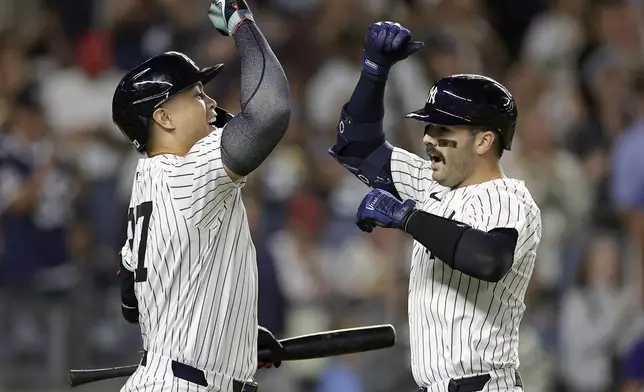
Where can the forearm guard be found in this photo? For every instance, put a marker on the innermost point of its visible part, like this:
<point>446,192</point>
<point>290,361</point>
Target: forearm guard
<point>362,149</point>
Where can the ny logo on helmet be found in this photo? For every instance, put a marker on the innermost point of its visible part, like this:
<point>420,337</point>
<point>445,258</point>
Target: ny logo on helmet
<point>431,98</point>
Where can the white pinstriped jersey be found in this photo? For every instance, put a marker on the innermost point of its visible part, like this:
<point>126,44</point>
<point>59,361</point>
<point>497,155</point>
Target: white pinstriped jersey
<point>198,304</point>
<point>462,326</point>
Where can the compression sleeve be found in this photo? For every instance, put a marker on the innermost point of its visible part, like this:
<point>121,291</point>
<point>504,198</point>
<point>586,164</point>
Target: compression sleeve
<point>483,255</point>
<point>250,136</point>
<point>367,103</point>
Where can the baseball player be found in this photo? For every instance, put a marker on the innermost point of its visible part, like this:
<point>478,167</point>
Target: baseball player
<point>476,232</point>
<point>188,270</point>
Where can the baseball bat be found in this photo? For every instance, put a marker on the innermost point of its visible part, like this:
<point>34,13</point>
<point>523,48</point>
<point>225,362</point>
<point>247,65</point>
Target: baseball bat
<point>315,345</point>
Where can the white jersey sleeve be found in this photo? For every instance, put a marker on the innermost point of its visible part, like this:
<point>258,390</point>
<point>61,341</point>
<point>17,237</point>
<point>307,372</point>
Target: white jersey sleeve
<point>199,183</point>
<point>411,174</point>
<point>505,206</point>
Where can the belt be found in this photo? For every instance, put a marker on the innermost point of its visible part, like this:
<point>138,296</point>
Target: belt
<point>197,376</point>
<point>473,384</point>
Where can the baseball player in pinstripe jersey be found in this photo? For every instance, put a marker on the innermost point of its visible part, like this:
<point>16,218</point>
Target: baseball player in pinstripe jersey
<point>188,270</point>
<point>476,232</point>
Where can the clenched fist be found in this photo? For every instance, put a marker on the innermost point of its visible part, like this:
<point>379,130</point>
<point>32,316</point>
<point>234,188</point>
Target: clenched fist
<point>386,44</point>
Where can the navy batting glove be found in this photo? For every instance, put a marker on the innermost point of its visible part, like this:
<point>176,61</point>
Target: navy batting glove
<point>386,44</point>
<point>381,208</point>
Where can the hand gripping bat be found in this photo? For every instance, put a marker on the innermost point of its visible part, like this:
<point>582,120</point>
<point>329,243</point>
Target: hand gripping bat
<point>316,345</point>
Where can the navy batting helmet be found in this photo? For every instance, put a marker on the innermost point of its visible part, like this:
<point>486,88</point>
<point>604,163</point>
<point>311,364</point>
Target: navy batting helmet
<point>471,100</point>
<point>143,89</point>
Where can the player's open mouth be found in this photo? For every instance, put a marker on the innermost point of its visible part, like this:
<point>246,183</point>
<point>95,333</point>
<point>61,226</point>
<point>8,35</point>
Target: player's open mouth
<point>436,160</point>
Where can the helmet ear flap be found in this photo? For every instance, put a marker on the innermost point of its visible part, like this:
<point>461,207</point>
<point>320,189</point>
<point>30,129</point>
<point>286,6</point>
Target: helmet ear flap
<point>508,135</point>
<point>223,116</point>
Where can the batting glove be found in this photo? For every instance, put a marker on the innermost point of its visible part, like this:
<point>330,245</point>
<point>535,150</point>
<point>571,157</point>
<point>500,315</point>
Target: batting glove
<point>386,44</point>
<point>381,208</point>
<point>227,15</point>
<point>266,340</point>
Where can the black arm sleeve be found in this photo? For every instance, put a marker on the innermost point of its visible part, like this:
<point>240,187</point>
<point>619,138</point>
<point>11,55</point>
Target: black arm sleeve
<point>367,103</point>
<point>129,304</point>
<point>252,134</point>
<point>482,255</point>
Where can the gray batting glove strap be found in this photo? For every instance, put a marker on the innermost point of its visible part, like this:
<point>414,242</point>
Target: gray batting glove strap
<point>226,15</point>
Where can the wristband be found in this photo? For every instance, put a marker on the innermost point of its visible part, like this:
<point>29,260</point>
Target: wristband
<point>237,19</point>
<point>374,70</point>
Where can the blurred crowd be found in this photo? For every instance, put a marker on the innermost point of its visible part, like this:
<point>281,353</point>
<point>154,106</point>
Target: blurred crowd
<point>575,68</point>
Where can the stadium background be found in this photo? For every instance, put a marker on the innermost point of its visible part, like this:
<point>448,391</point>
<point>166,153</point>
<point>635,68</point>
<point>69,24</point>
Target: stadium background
<point>573,66</point>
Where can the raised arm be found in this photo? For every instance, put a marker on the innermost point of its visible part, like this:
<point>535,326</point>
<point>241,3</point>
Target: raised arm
<point>361,146</point>
<point>252,135</point>
<point>217,164</point>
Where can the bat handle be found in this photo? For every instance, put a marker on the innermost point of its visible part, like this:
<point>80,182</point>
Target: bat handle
<point>80,377</point>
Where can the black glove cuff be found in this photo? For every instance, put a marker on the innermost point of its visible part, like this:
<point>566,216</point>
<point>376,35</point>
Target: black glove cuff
<point>374,70</point>
<point>407,217</point>
<point>408,210</point>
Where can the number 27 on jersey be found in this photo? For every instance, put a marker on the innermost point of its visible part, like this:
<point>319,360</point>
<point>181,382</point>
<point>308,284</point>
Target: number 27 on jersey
<point>134,215</point>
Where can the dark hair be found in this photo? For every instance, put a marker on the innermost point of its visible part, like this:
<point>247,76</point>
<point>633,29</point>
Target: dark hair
<point>497,144</point>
